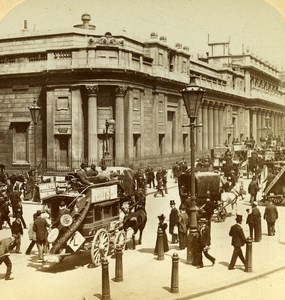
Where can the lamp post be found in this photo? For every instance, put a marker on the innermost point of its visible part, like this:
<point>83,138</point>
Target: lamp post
<point>192,97</point>
<point>106,147</point>
<point>35,113</point>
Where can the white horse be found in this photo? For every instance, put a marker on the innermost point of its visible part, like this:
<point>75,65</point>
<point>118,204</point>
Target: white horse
<point>229,199</point>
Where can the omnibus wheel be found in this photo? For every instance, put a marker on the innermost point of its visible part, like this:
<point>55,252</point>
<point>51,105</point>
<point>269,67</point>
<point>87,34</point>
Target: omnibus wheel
<point>277,200</point>
<point>100,246</point>
<point>120,240</point>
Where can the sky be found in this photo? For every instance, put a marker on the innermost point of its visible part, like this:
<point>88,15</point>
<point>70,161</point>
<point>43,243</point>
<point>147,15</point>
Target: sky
<point>257,25</point>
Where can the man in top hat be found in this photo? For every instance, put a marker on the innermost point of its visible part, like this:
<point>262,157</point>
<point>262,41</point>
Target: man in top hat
<point>238,240</point>
<point>204,242</point>
<point>173,222</point>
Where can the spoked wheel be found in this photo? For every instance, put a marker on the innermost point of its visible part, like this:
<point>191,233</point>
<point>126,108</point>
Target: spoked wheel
<point>120,240</point>
<point>277,200</point>
<point>221,214</point>
<point>100,246</point>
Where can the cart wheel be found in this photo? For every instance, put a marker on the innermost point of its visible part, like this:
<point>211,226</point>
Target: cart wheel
<point>277,200</point>
<point>120,240</point>
<point>221,215</point>
<point>100,246</point>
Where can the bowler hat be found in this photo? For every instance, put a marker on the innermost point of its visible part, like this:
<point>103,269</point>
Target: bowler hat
<point>172,202</point>
<point>239,218</point>
<point>161,217</point>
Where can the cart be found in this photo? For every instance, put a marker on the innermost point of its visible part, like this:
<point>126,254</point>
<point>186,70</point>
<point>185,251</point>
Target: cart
<point>91,222</point>
<point>275,190</point>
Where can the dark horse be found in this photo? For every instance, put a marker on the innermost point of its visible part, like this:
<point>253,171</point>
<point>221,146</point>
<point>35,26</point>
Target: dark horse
<point>137,221</point>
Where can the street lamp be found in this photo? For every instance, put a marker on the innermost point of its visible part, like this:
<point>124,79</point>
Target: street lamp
<point>106,146</point>
<point>192,97</point>
<point>35,113</point>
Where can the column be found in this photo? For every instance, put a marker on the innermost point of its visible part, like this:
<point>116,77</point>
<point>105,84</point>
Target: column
<point>92,91</point>
<point>263,115</point>
<point>276,124</point>
<point>272,122</point>
<point>254,123</point>
<point>129,127</point>
<point>211,125</point>
<point>120,128</point>
<point>221,124</point>
<point>199,138</point>
<point>246,123</point>
<point>205,125</point>
<point>216,124</point>
<point>259,127</point>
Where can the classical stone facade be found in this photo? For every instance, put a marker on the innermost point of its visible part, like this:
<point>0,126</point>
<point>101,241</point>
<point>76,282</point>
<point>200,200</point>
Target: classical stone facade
<point>81,79</point>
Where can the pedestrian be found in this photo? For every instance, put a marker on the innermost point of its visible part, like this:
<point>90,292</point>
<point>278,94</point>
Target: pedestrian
<point>5,248</point>
<point>256,216</point>
<point>164,179</point>
<point>5,211</point>
<point>40,227</point>
<point>183,223</point>
<point>15,199</point>
<point>159,188</point>
<point>17,233</point>
<point>150,176</point>
<point>238,240</point>
<point>249,222</point>
<point>140,180</point>
<point>32,235</point>
<point>19,213</point>
<point>208,209</point>
<point>163,226</point>
<point>253,188</point>
<point>173,222</point>
<point>176,171</point>
<point>270,215</point>
<point>204,242</point>
<point>92,172</point>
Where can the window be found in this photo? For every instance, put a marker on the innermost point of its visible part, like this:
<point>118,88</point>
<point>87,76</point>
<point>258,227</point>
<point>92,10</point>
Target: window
<point>136,145</point>
<point>20,143</point>
<point>136,103</point>
<point>161,143</point>
<point>184,67</point>
<point>185,143</point>
<point>160,59</point>
<point>63,150</point>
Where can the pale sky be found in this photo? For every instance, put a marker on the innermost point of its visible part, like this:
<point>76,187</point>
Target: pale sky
<point>258,24</point>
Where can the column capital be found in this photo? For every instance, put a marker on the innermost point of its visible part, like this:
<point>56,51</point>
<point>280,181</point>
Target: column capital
<point>221,106</point>
<point>92,89</point>
<point>121,90</point>
<point>204,104</point>
<point>211,104</point>
<point>253,110</point>
<point>216,105</point>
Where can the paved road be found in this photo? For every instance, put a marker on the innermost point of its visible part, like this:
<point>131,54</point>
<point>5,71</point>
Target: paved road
<point>144,276</point>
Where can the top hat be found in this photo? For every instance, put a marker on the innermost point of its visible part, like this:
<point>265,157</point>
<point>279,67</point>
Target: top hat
<point>202,220</point>
<point>172,202</point>
<point>161,217</point>
<point>239,218</point>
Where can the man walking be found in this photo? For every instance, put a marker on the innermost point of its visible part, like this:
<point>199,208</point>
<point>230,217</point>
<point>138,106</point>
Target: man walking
<point>173,222</point>
<point>270,215</point>
<point>40,227</point>
<point>238,240</point>
<point>5,246</point>
<point>253,188</point>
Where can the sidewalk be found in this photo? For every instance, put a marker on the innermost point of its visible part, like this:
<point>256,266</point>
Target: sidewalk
<point>147,278</point>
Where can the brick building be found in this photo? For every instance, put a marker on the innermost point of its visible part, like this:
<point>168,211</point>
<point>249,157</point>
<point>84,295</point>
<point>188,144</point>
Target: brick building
<point>81,79</point>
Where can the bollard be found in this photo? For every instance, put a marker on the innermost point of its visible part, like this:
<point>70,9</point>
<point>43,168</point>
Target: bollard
<point>119,264</point>
<point>160,245</point>
<point>175,274</point>
<point>105,279</point>
<point>248,255</point>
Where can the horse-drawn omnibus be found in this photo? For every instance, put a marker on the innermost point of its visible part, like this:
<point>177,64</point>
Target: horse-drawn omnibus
<point>92,220</point>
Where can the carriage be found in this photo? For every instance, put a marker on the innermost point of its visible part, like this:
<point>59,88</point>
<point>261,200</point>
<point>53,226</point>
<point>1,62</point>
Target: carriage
<point>205,183</point>
<point>91,221</point>
<point>275,190</point>
<point>93,218</point>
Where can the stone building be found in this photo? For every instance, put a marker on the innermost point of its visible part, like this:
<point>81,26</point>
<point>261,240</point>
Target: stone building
<point>81,79</point>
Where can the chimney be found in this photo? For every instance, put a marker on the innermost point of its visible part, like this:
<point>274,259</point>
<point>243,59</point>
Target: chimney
<point>85,18</point>
<point>25,26</point>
